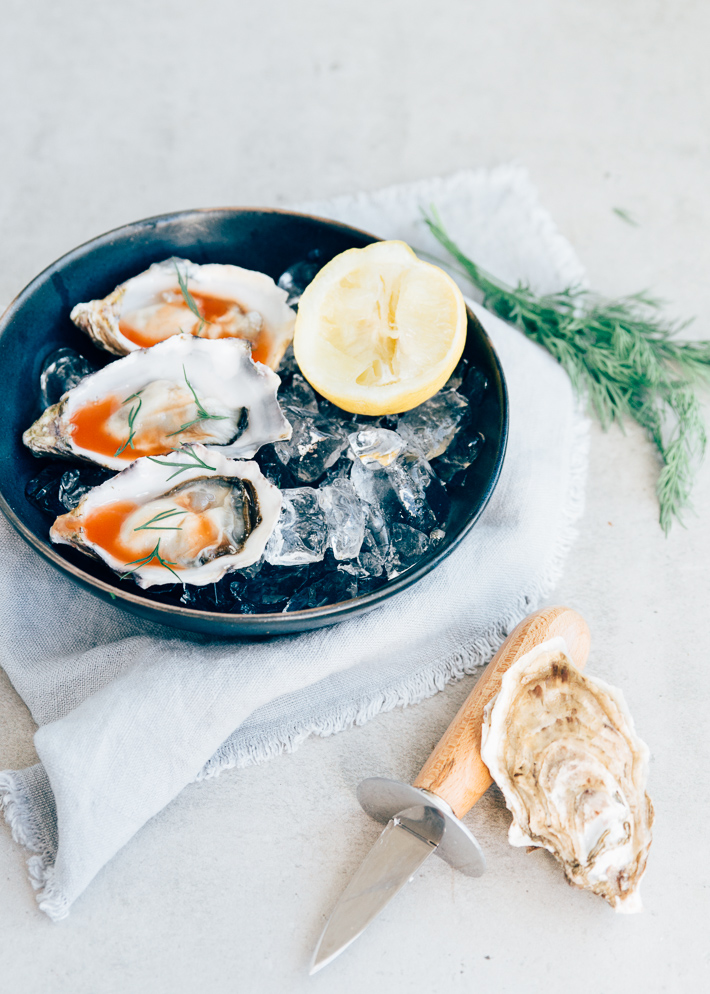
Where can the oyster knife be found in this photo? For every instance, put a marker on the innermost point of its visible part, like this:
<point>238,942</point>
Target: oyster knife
<point>425,818</point>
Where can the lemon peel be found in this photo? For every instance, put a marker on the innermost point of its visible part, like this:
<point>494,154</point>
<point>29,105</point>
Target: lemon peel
<point>378,330</point>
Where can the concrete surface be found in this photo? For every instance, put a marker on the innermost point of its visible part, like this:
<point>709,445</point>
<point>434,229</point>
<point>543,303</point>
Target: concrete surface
<point>111,112</point>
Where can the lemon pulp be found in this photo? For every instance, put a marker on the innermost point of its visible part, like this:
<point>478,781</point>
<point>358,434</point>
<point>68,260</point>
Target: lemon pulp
<point>378,330</point>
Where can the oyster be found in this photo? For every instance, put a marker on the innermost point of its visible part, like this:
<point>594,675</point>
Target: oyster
<point>562,748</point>
<point>190,517</point>
<point>218,301</point>
<point>184,390</point>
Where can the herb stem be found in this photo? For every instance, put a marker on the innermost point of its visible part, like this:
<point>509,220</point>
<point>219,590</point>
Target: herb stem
<point>202,414</point>
<point>622,356</point>
<point>146,560</point>
<point>132,415</point>
<point>182,466</point>
<point>190,300</point>
<point>162,516</point>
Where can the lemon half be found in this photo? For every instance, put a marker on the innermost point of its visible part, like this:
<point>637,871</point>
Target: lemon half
<point>379,331</point>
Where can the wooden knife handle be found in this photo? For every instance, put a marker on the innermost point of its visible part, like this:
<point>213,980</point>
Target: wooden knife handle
<point>455,771</point>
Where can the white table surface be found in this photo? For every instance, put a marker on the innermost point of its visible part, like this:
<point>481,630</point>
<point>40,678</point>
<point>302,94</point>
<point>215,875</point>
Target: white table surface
<point>114,112</point>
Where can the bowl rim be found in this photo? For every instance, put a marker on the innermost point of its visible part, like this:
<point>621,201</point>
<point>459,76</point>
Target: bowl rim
<point>246,624</point>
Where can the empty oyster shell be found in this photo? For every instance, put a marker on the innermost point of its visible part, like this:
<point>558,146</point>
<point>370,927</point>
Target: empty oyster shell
<point>231,303</point>
<point>189,517</point>
<point>562,748</point>
<point>184,390</point>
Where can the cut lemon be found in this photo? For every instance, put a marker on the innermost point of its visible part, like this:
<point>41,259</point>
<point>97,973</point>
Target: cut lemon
<point>379,331</point>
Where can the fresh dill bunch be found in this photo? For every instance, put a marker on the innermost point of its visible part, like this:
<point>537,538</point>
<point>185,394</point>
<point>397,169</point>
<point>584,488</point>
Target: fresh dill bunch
<point>622,356</point>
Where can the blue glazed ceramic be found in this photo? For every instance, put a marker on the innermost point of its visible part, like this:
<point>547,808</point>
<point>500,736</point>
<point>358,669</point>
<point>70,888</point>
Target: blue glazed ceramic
<point>271,241</point>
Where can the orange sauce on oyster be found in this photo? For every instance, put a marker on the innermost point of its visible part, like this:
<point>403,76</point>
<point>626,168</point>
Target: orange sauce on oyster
<point>173,319</point>
<point>261,349</point>
<point>102,527</point>
<point>89,431</point>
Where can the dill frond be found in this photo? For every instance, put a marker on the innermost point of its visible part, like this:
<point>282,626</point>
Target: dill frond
<point>622,357</point>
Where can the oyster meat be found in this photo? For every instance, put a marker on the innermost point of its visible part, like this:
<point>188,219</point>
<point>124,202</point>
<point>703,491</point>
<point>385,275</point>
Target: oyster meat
<point>177,296</point>
<point>185,390</point>
<point>190,517</point>
<point>562,748</point>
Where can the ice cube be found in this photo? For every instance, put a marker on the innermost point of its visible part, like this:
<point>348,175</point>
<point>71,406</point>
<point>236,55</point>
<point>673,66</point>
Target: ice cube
<point>334,413</point>
<point>474,386</point>
<point>248,572</point>
<point>458,375</point>
<point>329,589</point>
<point>43,490</point>
<point>371,482</point>
<point>431,427</point>
<point>77,482</point>
<point>314,446</point>
<point>428,490</point>
<point>340,470</point>
<point>300,394</point>
<point>211,597</point>
<point>61,370</point>
<point>297,277</point>
<point>406,490</point>
<point>288,366</point>
<point>378,557</point>
<point>437,536</point>
<point>301,532</point>
<point>273,469</point>
<point>271,589</point>
<point>376,445</point>
<point>56,489</point>
<point>410,543</point>
<point>459,456</point>
<point>345,517</point>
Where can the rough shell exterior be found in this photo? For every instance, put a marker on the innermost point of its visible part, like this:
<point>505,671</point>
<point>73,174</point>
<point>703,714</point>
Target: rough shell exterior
<point>256,294</point>
<point>221,372</point>
<point>148,480</point>
<point>562,748</point>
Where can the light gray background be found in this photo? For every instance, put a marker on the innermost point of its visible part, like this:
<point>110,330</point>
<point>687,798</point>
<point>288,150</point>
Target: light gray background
<point>111,112</point>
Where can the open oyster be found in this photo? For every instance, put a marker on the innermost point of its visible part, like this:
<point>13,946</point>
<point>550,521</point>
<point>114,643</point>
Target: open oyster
<point>174,296</point>
<point>562,748</point>
<point>189,517</point>
<point>184,390</point>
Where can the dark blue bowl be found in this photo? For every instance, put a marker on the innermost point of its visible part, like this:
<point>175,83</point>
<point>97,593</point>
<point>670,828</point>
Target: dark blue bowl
<point>37,323</point>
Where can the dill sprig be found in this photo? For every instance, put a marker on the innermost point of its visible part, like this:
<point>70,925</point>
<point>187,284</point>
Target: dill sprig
<point>152,526</point>
<point>190,300</point>
<point>146,560</point>
<point>622,356</point>
<point>182,466</point>
<point>625,216</point>
<point>132,415</point>
<point>202,414</point>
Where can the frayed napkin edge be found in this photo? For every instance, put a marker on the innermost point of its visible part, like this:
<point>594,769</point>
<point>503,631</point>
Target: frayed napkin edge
<point>17,810</point>
<point>419,686</point>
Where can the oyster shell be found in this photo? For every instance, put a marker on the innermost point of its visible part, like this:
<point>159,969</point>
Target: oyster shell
<point>185,390</point>
<point>562,748</point>
<point>233,303</point>
<point>190,517</point>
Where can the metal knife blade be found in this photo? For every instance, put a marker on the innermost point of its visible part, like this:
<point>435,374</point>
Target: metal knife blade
<point>407,840</point>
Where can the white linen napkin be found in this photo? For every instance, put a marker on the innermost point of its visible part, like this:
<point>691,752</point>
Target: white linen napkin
<point>130,712</point>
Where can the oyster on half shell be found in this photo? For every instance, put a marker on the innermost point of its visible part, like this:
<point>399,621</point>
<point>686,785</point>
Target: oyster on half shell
<point>183,391</point>
<point>231,303</point>
<point>189,517</point>
<point>562,748</point>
